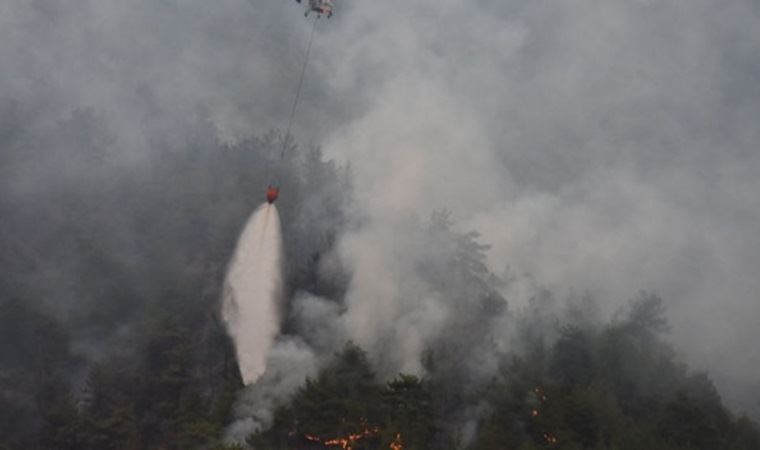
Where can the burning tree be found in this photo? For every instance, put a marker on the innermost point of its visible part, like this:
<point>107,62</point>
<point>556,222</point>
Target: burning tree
<point>345,407</point>
<point>409,413</point>
<point>342,406</point>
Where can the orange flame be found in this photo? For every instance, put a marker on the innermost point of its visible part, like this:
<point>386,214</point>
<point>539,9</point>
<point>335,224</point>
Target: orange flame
<point>540,395</point>
<point>397,444</point>
<point>346,442</point>
<point>550,439</point>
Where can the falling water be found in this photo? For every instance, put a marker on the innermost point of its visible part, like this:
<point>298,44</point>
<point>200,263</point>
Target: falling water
<point>250,307</point>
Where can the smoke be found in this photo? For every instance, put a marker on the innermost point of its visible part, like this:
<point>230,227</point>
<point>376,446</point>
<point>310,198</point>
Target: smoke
<point>597,146</point>
<point>289,362</point>
<point>252,295</point>
<point>318,321</point>
<point>391,312</point>
<point>601,148</point>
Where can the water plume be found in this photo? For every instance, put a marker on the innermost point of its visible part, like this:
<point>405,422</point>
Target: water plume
<point>251,299</point>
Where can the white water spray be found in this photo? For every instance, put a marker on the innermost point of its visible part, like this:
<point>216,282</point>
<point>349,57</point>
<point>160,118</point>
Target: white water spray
<point>252,291</point>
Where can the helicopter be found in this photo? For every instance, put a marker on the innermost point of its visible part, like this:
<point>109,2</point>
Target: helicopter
<point>320,7</point>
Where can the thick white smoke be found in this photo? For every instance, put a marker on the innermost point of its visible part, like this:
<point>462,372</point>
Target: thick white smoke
<point>602,147</point>
<point>289,362</point>
<point>252,292</point>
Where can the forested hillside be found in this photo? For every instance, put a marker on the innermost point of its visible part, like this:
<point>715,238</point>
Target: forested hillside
<point>613,387</point>
<point>110,336</point>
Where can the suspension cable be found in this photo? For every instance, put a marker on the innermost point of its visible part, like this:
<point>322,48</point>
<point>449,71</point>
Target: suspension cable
<point>298,91</point>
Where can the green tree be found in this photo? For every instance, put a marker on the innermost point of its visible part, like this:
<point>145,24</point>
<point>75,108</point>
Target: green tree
<point>344,399</point>
<point>62,426</point>
<point>408,403</point>
<point>572,361</point>
<point>110,416</point>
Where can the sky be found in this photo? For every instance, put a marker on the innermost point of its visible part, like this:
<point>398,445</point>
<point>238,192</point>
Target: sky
<point>597,146</point>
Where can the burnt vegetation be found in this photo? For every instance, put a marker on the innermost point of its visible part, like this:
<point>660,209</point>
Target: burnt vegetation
<point>110,337</point>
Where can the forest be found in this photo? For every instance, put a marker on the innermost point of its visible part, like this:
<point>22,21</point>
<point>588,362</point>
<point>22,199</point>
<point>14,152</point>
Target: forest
<point>110,334</point>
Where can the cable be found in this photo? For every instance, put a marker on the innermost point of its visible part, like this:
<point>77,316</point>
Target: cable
<point>298,91</point>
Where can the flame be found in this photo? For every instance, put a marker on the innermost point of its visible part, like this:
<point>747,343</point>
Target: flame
<point>550,439</point>
<point>397,444</point>
<point>540,395</point>
<point>541,398</point>
<point>346,442</point>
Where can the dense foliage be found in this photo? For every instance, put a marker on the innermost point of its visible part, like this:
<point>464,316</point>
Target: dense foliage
<point>110,337</point>
<point>615,386</point>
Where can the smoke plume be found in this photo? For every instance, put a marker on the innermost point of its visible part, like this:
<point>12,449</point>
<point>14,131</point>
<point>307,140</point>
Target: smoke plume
<point>600,147</point>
